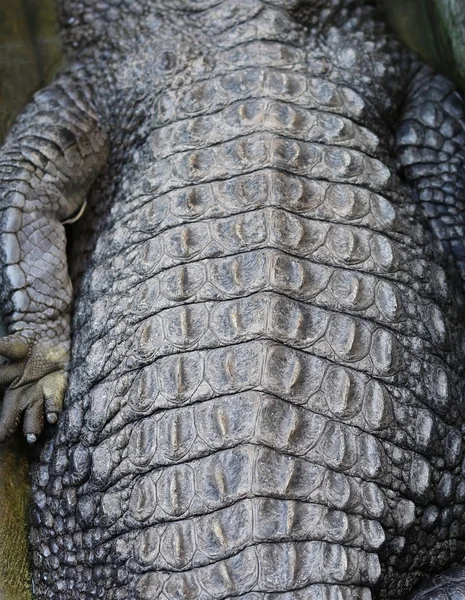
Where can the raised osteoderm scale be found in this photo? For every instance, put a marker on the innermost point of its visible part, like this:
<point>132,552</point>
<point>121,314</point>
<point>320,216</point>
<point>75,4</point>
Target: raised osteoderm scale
<point>263,391</point>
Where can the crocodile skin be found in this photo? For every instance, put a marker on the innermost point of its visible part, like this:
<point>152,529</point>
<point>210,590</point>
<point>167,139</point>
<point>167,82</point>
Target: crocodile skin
<point>431,142</point>
<point>50,158</point>
<point>266,389</point>
<point>447,586</point>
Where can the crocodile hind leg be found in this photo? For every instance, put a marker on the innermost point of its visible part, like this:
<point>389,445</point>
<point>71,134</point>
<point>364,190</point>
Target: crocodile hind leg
<point>48,162</point>
<point>431,151</point>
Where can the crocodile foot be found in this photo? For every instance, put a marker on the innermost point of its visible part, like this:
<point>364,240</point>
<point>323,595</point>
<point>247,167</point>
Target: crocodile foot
<point>36,378</point>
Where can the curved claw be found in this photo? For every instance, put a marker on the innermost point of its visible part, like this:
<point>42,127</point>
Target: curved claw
<point>33,421</point>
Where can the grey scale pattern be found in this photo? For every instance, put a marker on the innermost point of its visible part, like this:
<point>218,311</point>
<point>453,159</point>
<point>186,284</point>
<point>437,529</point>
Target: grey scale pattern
<point>266,381</point>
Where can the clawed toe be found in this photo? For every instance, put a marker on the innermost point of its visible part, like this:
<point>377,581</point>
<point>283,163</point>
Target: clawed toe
<point>54,387</point>
<point>32,399</point>
<point>36,381</point>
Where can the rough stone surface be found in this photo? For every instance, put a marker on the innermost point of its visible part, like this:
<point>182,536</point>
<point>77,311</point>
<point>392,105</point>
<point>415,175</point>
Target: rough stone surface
<point>266,392</point>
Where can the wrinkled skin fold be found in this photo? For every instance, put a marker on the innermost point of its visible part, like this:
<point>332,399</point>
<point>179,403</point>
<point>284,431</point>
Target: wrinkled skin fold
<point>263,398</point>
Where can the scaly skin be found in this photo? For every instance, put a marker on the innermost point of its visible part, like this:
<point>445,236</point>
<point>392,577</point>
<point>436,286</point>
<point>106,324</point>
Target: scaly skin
<point>431,150</point>
<point>46,168</point>
<point>265,399</point>
<point>30,55</point>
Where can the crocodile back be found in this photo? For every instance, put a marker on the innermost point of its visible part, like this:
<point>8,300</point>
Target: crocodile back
<point>264,392</point>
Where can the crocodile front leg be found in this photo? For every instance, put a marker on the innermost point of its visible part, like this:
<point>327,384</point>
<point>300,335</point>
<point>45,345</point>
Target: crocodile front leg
<point>47,165</point>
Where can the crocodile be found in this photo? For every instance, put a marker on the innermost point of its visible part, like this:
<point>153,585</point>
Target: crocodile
<point>263,394</point>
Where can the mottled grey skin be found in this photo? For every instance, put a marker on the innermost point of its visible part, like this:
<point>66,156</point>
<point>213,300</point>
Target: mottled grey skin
<point>266,388</point>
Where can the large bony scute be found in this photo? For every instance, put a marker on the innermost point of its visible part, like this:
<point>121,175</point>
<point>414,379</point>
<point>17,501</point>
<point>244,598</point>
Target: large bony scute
<point>265,391</point>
